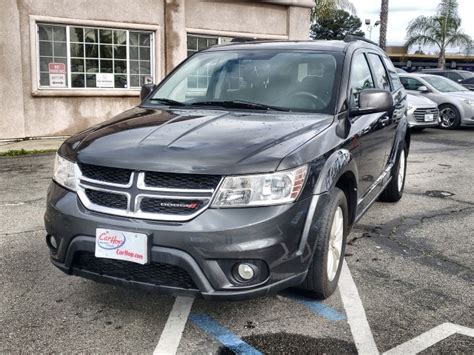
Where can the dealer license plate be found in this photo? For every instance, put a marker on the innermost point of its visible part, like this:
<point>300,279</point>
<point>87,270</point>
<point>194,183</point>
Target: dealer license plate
<point>429,117</point>
<point>120,245</point>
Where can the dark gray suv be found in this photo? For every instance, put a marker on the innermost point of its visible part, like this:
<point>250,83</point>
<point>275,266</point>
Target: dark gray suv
<point>239,175</point>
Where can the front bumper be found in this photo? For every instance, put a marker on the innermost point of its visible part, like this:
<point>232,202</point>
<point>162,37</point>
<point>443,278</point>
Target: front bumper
<point>412,122</point>
<point>205,247</point>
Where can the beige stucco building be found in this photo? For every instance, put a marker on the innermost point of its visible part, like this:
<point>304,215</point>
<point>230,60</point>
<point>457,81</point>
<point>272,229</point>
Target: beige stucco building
<point>66,65</point>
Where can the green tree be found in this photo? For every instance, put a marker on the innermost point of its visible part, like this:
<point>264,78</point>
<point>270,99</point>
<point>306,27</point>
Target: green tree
<point>336,25</point>
<point>442,30</point>
<point>324,8</point>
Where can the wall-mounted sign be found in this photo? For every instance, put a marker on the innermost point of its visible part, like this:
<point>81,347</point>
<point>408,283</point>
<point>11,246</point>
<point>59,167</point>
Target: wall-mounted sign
<point>57,75</point>
<point>104,80</point>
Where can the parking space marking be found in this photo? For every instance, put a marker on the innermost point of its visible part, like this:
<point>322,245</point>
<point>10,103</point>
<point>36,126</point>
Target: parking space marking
<point>429,338</point>
<point>223,335</point>
<point>360,328</point>
<point>174,327</point>
<point>317,307</point>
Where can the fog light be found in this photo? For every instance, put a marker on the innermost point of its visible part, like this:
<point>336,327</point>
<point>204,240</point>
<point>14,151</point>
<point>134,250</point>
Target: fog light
<point>246,272</point>
<point>52,242</point>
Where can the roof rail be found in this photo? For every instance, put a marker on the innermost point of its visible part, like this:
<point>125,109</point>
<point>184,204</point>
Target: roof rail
<point>352,38</point>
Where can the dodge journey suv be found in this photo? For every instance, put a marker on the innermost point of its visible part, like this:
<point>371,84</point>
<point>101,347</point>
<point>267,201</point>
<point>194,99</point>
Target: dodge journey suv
<point>239,175</point>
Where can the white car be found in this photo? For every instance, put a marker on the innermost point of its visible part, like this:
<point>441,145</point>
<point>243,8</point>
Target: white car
<point>455,102</point>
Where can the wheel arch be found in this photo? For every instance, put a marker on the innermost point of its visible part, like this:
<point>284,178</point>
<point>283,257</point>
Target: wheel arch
<point>341,171</point>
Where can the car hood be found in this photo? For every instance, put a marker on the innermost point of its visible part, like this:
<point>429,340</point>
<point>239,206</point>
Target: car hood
<point>419,101</point>
<point>195,141</point>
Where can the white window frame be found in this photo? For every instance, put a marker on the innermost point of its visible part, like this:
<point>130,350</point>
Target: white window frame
<point>156,66</point>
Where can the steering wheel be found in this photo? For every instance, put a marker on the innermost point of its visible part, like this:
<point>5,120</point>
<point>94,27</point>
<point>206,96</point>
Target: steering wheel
<point>307,96</point>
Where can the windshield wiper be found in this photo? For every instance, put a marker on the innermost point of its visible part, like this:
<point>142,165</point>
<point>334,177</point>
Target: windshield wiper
<point>240,104</point>
<point>167,101</point>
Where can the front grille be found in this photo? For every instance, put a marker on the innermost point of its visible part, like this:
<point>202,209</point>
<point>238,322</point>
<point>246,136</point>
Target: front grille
<point>155,273</point>
<point>420,113</point>
<point>181,181</point>
<point>105,174</point>
<point>147,195</point>
<point>167,206</point>
<point>107,199</point>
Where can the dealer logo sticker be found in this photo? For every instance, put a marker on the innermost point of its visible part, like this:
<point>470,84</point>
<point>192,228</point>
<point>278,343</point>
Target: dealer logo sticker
<point>110,241</point>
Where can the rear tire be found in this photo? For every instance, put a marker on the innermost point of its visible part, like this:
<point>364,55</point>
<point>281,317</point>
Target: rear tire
<point>394,190</point>
<point>325,268</point>
<point>449,116</point>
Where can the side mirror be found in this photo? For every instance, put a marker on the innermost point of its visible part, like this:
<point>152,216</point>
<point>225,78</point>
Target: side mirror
<point>423,89</point>
<point>373,101</point>
<point>146,90</point>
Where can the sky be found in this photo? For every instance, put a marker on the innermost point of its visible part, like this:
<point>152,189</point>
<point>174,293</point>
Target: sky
<point>402,11</point>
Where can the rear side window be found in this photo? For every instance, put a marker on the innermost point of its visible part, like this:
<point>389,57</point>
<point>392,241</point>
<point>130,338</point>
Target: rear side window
<point>361,78</point>
<point>380,73</point>
<point>396,84</point>
<point>410,83</point>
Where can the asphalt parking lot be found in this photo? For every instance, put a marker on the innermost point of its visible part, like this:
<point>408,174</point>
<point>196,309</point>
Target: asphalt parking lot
<point>411,262</point>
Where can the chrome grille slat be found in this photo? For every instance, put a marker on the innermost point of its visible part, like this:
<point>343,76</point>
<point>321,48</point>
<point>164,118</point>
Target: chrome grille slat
<point>164,204</point>
<point>420,113</point>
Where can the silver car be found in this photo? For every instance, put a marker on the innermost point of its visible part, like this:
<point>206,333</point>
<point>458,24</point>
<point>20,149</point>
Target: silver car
<point>455,102</point>
<point>422,112</point>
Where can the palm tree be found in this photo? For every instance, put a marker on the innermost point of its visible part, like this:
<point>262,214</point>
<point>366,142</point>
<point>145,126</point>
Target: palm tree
<point>442,30</point>
<point>383,24</point>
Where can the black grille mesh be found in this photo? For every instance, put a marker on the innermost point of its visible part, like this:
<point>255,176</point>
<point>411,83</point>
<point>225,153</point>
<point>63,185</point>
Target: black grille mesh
<point>102,173</point>
<point>177,207</point>
<point>181,181</point>
<point>107,199</point>
<point>154,273</point>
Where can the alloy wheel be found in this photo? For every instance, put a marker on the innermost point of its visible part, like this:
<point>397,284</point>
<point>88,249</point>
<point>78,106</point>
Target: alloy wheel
<point>401,171</point>
<point>448,117</point>
<point>335,244</point>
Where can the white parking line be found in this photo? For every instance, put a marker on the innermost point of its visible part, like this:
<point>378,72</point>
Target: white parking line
<point>174,327</point>
<point>429,338</point>
<point>360,329</point>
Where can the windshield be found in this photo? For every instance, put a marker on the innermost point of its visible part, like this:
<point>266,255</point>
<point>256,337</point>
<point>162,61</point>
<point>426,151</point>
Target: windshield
<point>443,84</point>
<point>466,74</point>
<point>256,79</point>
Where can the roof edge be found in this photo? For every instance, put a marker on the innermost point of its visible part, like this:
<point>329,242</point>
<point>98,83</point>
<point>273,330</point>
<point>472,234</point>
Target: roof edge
<point>298,3</point>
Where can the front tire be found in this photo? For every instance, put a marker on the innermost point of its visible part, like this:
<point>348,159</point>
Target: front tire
<point>450,117</point>
<point>394,190</point>
<point>325,268</point>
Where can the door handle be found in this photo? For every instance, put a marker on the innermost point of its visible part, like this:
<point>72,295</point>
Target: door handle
<point>385,120</point>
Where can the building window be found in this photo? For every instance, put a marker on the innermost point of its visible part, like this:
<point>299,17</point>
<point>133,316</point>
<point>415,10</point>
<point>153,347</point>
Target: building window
<point>78,57</point>
<point>195,43</point>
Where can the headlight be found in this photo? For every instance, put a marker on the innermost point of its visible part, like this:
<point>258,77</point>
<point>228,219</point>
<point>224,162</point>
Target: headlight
<point>64,173</point>
<point>261,190</point>
<point>410,107</point>
<point>469,102</point>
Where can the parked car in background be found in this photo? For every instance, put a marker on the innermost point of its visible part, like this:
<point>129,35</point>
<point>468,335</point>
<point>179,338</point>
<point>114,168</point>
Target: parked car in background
<point>455,75</point>
<point>468,83</point>
<point>455,102</point>
<point>399,70</point>
<point>244,191</point>
<point>422,113</point>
